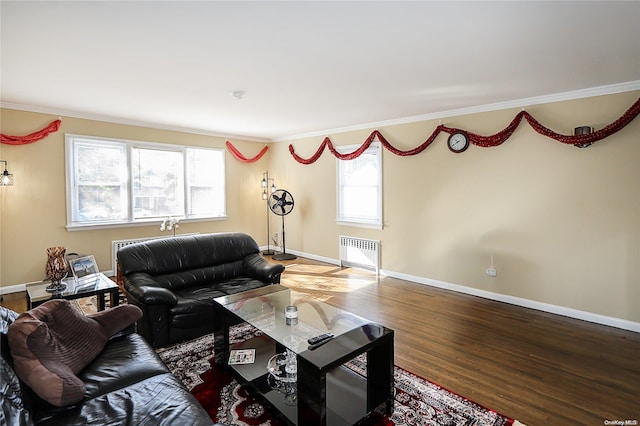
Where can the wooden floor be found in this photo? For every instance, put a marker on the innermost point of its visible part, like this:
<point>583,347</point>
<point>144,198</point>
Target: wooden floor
<point>538,368</point>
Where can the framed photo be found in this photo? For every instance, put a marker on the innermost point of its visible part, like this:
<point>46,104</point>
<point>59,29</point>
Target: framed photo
<point>83,266</point>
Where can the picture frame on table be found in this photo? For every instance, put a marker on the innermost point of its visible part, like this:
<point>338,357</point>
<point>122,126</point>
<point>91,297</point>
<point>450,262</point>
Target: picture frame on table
<point>84,266</point>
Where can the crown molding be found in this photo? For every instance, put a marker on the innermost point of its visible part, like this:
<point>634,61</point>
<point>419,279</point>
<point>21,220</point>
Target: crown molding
<point>128,122</point>
<point>519,103</point>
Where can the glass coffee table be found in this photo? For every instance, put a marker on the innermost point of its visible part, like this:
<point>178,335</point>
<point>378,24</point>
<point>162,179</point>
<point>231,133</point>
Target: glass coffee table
<point>319,389</point>
<point>90,285</point>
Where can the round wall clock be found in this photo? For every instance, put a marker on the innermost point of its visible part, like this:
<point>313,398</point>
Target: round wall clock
<point>458,142</point>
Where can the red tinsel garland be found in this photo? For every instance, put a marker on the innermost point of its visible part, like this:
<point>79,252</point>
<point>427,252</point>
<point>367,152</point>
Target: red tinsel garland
<point>241,157</point>
<point>479,140</point>
<point>33,137</point>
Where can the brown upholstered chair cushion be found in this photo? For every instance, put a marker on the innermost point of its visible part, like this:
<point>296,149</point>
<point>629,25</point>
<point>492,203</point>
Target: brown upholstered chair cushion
<point>53,342</point>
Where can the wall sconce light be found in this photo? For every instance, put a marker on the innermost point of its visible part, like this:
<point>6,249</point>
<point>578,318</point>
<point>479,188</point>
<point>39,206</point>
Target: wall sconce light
<point>265,186</point>
<point>6,178</point>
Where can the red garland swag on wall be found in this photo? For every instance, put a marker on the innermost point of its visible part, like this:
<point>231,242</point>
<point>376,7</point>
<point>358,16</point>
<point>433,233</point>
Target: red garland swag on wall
<point>241,157</point>
<point>479,140</point>
<point>476,139</point>
<point>31,138</point>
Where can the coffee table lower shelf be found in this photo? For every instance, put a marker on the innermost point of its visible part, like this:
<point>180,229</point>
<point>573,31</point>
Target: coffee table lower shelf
<point>346,390</point>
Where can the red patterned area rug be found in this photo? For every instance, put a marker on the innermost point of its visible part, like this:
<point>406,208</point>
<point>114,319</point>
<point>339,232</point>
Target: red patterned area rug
<point>417,401</point>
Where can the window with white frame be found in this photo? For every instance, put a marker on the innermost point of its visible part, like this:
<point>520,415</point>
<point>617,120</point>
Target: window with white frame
<point>112,182</point>
<point>360,187</point>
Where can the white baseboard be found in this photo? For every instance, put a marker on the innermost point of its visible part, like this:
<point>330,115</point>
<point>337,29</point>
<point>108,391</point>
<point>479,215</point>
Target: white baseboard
<point>518,301</point>
<point>13,288</point>
<point>305,255</point>
<point>315,257</point>
<point>513,300</point>
<point>526,303</point>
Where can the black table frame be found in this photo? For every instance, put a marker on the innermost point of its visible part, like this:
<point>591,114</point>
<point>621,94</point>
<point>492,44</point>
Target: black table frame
<point>114,297</point>
<point>373,339</point>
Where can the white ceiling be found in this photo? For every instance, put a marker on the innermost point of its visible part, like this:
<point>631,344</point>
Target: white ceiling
<point>306,67</point>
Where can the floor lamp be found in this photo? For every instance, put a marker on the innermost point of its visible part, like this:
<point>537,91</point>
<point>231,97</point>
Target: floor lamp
<point>265,184</point>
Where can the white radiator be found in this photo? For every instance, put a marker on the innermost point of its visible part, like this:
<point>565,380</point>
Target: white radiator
<point>118,244</point>
<point>359,252</point>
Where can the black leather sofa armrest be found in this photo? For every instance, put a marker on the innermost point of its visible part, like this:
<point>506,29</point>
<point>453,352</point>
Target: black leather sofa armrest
<point>154,296</point>
<point>259,268</point>
<point>143,289</point>
<point>131,329</point>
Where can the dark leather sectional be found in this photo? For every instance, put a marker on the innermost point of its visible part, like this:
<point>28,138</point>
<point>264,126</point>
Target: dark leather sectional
<point>127,384</point>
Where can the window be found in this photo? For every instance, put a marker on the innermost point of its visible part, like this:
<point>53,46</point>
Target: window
<point>360,188</point>
<point>119,182</point>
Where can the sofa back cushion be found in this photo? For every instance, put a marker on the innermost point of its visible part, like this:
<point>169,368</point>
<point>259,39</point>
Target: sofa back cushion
<point>208,275</point>
<point>185,253</point>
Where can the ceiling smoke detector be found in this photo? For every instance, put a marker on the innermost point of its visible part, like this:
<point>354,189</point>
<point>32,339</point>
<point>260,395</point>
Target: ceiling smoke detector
<point>238,94</point>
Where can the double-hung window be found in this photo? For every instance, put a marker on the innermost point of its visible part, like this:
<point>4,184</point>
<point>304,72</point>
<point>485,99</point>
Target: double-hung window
<point>360,188</point>
<point>111,182</point>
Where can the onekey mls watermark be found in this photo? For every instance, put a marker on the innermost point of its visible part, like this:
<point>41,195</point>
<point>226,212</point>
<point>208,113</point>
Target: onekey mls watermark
<point>627,422</point>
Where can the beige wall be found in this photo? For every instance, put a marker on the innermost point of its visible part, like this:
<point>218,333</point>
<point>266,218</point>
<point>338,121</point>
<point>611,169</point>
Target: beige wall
<point>562,223</point>
<point>33,215</point>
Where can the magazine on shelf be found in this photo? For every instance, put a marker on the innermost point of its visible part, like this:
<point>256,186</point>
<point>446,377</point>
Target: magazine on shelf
<point>242,356</point>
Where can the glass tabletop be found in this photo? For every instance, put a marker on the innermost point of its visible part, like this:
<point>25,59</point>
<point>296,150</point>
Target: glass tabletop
<point>266,312</point>
<point>88,284</point>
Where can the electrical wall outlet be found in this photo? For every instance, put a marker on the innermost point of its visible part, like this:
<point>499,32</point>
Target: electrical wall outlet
<point>492,272</point>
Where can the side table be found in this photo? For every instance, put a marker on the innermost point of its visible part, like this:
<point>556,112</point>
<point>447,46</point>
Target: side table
<point>90,285</point>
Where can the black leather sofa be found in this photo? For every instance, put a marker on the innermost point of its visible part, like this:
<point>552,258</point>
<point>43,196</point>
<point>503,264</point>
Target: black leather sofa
<point>174,281</point>
<point>127,384</point>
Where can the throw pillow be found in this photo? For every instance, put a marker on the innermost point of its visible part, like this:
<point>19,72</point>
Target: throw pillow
<point>53,342</point>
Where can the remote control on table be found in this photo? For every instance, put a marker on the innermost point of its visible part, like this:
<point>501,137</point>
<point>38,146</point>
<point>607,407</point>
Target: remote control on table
<point>320,343</point>
<point>320,338</point>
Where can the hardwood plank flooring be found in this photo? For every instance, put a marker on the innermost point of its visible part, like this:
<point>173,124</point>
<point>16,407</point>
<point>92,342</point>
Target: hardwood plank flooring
<point>536,367</point>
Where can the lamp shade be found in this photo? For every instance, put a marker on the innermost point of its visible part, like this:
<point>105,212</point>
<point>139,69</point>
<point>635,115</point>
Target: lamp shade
<point>6,178</point>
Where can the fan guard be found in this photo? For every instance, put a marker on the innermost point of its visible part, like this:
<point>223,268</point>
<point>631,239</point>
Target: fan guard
<point>281,203</point>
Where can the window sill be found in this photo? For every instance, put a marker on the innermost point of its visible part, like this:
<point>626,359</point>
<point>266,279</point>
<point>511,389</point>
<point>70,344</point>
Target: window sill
<point>369,225</point>
<point>150,222</point>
